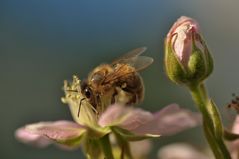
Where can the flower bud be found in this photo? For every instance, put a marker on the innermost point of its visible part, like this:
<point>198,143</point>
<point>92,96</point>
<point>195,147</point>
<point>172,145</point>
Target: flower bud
<point>187,59</point>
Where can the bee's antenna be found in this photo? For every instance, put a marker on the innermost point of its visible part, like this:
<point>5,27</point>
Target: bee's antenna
<point>78,114</point>
<point>70,90</point>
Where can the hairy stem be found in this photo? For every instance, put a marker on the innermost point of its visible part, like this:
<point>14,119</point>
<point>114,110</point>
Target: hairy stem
<point>211,121</point>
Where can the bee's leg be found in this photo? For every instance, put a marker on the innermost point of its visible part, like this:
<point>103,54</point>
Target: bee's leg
<point>123,96</point>
<point>96,112</point>
<point>133,96</point>
<point>78,113</point>
<point>113,96</point>
<point>133,100</point>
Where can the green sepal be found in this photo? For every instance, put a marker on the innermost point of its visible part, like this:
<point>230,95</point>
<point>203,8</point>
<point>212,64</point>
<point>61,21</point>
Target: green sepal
<point>91,148</point>
<point>196,67</point>
<point>130,136</point>
<point>174,69</point>
<point>73,142</point>
<point>209,62</point>
<point>97,132</point>
<point>217,123</point>
<point>123,144</point>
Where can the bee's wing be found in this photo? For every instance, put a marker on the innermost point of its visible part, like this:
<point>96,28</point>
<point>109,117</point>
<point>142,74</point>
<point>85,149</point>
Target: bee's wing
<point>133,59</point>
<point>139,63</point>
<point>133,53</point>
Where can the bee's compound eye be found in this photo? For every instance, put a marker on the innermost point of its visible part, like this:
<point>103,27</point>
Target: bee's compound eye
<point>87,92</point>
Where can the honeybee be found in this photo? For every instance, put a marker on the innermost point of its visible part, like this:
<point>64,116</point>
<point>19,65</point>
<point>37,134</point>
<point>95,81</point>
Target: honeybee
<point>118,82</point>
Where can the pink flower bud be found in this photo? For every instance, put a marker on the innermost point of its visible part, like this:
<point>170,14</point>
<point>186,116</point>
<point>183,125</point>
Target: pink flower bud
<point>187,59</point>
<point>183,34</point>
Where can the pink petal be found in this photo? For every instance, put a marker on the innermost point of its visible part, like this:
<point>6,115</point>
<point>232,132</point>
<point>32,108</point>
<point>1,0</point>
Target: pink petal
<point>39,133</point>
<point>170,120</point>
<point>110,115</point>
<point>183,45</point>
<point>126,117</point>
<point>33,139</point>
<point>136,118</point>
<point>180,37</point>
<point>181,21</point>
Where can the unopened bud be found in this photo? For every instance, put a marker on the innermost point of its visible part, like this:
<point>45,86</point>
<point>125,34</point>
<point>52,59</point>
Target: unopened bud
<point>187,59</point>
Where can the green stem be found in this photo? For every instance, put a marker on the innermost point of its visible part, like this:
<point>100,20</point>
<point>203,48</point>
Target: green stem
<point>209,136</point>
<point>201,99</point>
<point>211,121</point>
<point>125,148</point>
<point>106,147</point>
<point>203,91</point>
<point>91,148</point>
<point>124,145</point>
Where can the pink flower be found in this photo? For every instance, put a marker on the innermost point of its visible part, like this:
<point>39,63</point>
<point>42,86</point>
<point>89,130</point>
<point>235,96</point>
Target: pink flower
<point>163,122</point>
<point>185,151</point>
<point>141,149</point>
<point>234,145</point>
<point>180,151</point>
<point>136,123</point>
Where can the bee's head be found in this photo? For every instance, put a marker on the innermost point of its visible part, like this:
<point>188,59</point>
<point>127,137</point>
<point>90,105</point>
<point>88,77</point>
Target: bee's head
<point>87,92</point>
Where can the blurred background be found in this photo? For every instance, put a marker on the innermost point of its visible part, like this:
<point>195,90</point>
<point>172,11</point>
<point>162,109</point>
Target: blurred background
<point>44,42</point>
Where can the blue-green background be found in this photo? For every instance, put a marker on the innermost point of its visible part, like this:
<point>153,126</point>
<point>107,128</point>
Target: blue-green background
<point>44,42</point>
